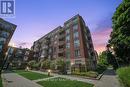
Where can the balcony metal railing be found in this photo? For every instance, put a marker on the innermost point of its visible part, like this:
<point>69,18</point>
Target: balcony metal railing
<point>61,42</point>
<point>62,36</point>
<point>61,50</point>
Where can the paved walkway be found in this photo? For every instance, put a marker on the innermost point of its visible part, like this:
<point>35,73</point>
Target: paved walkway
<point>45,79</point>
<point>15,80</point>
<point>109,79</point>
<point>68,77</point>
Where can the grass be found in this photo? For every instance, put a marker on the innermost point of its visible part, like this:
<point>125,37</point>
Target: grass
<point>31,75</point>
<point>124,75</point>
<point>0,82</point>
<point>61,82</point>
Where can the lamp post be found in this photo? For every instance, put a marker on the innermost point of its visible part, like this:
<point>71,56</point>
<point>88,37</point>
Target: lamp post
<point>49,72</point>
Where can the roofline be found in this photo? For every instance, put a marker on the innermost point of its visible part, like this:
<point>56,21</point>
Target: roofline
<point>49,33</point>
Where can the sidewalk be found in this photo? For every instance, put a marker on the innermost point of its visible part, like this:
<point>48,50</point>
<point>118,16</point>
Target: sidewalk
<point>68,77</point>
<point>109,79</point>
<point>15,80</point>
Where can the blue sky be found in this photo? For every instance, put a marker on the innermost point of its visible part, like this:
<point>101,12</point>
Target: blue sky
<point>36,18</point>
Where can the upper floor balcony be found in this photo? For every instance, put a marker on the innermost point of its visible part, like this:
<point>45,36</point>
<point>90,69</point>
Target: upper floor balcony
<point>61,42</point>
<point>61,36</point>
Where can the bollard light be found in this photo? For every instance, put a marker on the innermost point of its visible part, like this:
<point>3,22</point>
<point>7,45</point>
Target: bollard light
<point>49,72</point>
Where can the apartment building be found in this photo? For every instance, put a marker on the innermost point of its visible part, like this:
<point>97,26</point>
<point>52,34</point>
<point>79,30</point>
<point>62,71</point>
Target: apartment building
<point>50,46</point>
<point>6,31</point>
<point>17,57</point>
<point>72,42</point>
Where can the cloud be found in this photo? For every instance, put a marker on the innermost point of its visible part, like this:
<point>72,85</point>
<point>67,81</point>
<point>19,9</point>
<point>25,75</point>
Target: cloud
<point>20,44</point>
<point>12,44</point>
<point>104,23</point>
<point>100,39</point>
<point>102,32</point>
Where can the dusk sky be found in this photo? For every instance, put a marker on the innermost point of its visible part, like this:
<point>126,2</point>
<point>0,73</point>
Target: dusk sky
<point>35,18</point>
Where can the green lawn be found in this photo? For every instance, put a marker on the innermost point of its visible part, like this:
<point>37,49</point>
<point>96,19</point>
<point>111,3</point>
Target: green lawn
<point>61,82</point>
<point>31,75</point>
<point>124,75</point>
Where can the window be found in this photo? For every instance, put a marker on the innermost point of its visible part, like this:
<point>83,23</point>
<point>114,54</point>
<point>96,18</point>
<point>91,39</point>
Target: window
<point>89,38</point>
<point>68,54</point>
<point>5,34</point>
<point>11,50</point>
<point>77,53</point>
<point>68,38</point>
<point>55,42</point>
<point>67,31</point>
<point>90,45</point>
<point>0,48</point>
<point>54,49</point>
<point>2,40</point>
<point>75,20</point>
<point>78,61</point>
<point>68,24</point>
<point>75,27</point>
<point>86,37</point>
<point>55,36</point>
<point>50,50</point>
<point>52,38</point>
<point>67,45</point>
<point>76,35</point>
<point>76,43</point>
<point>92,54</point>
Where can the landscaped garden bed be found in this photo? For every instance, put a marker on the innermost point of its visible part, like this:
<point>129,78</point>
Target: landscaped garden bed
<point>61,82</point>
<point>31,75</point>
<point>124,75</point>
<point>90,74</point>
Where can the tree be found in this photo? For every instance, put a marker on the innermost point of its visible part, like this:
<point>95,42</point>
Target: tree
<point>31,63</point>
<point>45,64</point>
<point>120,36</point>
<point>103,58</point>
<point>53,65</point>
<point>102,62</point>
<point>111,59</point>
<point>61,65</point>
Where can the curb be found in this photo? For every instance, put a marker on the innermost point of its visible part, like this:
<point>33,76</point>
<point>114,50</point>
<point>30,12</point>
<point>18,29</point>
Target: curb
<point>100,76</point>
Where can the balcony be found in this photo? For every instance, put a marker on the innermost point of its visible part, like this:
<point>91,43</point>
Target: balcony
<point>60,54</point>
<point>61,50</point>
<point>45,47</point>
<point>61,42</point>
<point>61,36</point>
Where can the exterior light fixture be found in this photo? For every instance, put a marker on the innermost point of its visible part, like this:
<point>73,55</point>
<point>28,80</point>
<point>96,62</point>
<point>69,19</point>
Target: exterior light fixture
<point>49,72</point>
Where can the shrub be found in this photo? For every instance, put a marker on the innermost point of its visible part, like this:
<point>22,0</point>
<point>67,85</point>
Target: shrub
<point>53,65</point>
<point>87,74</point>
<point>124,75</point>
<point>36,65</point>
<point>45,64</point>
<point>92,74</point>
<point>101,68</point>
<point>31,63</point>
<point>61,65</point>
